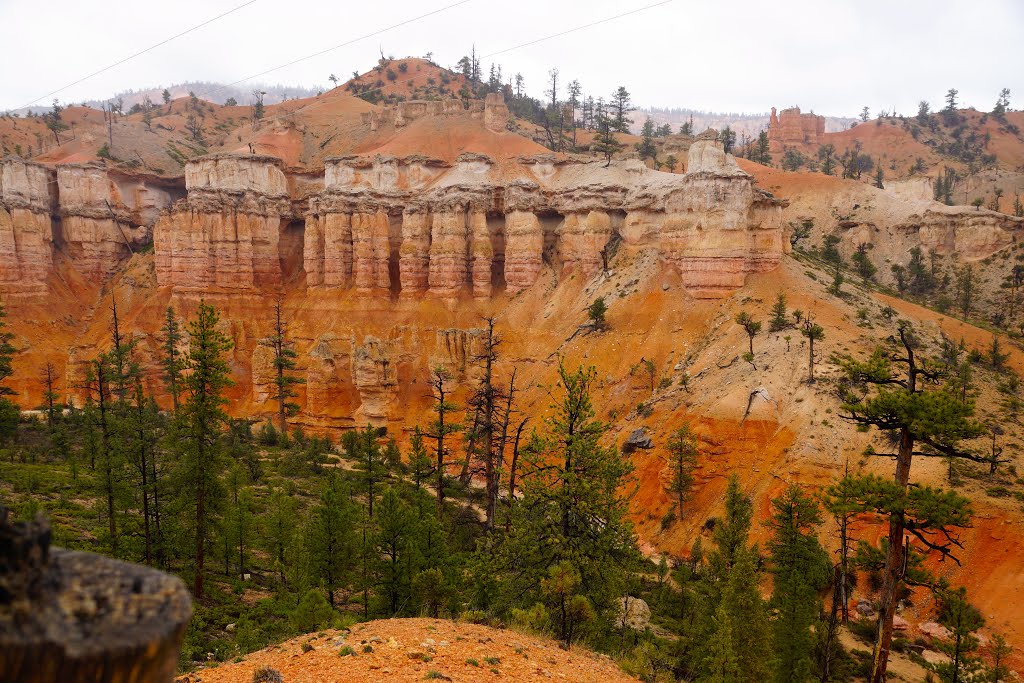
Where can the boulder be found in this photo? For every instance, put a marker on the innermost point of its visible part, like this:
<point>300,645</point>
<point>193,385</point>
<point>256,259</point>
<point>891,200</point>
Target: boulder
<point>633,613</point>
<point>638,439</point>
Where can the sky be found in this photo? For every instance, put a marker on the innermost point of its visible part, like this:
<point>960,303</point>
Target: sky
<point>833,57</point>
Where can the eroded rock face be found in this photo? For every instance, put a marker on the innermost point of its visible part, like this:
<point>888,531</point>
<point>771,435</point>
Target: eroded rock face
<point>93,215</point>
<point>27,200</point>
<point>469,230</point>
<point>790,127</point>
<point>99,229</point>
<point>224,235</point>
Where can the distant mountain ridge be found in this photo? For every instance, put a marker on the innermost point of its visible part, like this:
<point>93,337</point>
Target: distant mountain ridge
<point>744,124</point>
<point>205,90</point>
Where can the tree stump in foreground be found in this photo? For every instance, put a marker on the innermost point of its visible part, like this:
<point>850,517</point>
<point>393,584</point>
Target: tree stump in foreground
<point>74,616</point>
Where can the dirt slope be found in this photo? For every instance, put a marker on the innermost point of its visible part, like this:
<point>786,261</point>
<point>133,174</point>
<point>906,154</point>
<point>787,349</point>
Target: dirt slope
<point>409,649</point>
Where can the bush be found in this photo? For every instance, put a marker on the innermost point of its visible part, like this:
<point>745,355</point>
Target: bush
<point>312,612</point>
<point>267,675</point>
<point>534,620</point>
<point>474,616</point>
<point>347,651</point>
<point>668,520</point>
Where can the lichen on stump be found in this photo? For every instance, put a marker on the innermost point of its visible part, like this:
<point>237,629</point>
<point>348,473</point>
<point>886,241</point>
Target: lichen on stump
<point>75,616</point>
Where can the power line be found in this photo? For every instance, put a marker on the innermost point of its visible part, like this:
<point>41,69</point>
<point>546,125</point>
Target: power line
<point>141,52</point>
<point>509,49</point>
<point>578,28</point>
<point>340,45</point>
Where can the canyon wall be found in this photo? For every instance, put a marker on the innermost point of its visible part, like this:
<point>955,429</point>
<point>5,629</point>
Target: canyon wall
<point>28,199</point>
<point>90,215</point>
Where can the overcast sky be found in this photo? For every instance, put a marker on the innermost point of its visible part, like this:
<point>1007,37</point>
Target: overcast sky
<point>744,56</point>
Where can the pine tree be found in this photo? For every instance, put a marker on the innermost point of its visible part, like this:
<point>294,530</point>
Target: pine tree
<point>284,367</point>
<point>442,426</point>
<point>394,552</point>
<point>761,154</point>
<point>780,318</point>
<point>280,525</point>
<point>171,361</point>
<point>572,509</point>
<point>862,262</point>
<point>199,427</point>
<point>812,332</point>
<point>682,461</point>
<point>331,545</point>
<point>899,403</point>
<point>800,568</point>
<point>646,147</point>
<point>962,619</point>
<point>9,412</point>
<point>605,143</point>
<point>620,106</point>
<point>750,326</point>
<point>420,466</point>
<point>371,467</point>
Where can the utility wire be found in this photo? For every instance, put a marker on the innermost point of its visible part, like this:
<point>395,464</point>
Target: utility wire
<point>140,52</point>
<point>578,28</point>
<point>509,49</point>
<point>339,45</point>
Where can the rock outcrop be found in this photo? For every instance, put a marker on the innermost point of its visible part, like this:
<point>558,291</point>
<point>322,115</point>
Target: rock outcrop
<point>791,128</point>
<point>28,199</point>
<point>408,226</point>
<point>94,216</point>
<point>224,235</point>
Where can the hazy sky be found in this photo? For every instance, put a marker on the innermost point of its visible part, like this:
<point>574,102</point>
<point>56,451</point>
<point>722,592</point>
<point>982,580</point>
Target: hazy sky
<point>833,56</point>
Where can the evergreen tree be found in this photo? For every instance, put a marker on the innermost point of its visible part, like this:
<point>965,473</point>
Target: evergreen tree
<point>862,262</point>
<point>171,361</point>
<point>572,509</point>
<point>8,409</point>
<point>371,467</point>
<point>441,427</point>
<point>420,467</point>
<point>900,404</point>
<point>682,461</point>
<point>800,568</point>
<point>284,368</point>
<point>605,143</point>
<point>962,619</point>
<point>727,136</point>
<point>198,433</point>
<point>780,317</point>
<point>279,529</point>
<point>620,106</point>
<point>827,158</point>
<point>813,332</point>
<point>331,545</point>
<point>750,326</point>
<point>646,147</point>
<point>761,154</point>
<point>395,552</point>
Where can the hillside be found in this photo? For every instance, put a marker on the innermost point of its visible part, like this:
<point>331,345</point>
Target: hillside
<point>419,649</point>
<point>359,356</point>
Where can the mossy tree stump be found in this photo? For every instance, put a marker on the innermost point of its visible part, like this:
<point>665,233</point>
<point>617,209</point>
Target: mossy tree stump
<point>74,616</point>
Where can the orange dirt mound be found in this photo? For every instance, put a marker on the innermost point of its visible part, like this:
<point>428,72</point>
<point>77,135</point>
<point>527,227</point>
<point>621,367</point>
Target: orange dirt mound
<point>409,649</point>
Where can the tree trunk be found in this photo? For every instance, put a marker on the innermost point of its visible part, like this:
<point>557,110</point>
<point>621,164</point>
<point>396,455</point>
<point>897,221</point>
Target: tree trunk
<point>895,566</point>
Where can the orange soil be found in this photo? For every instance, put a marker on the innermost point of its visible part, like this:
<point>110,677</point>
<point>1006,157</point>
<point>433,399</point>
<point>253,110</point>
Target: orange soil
<point>399,647</point>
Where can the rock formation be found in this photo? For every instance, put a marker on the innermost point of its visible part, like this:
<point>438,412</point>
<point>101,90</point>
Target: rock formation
<point>92,215</point>
<point>224,235</point>
<point>28,199</point>
<point>791,128</point>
